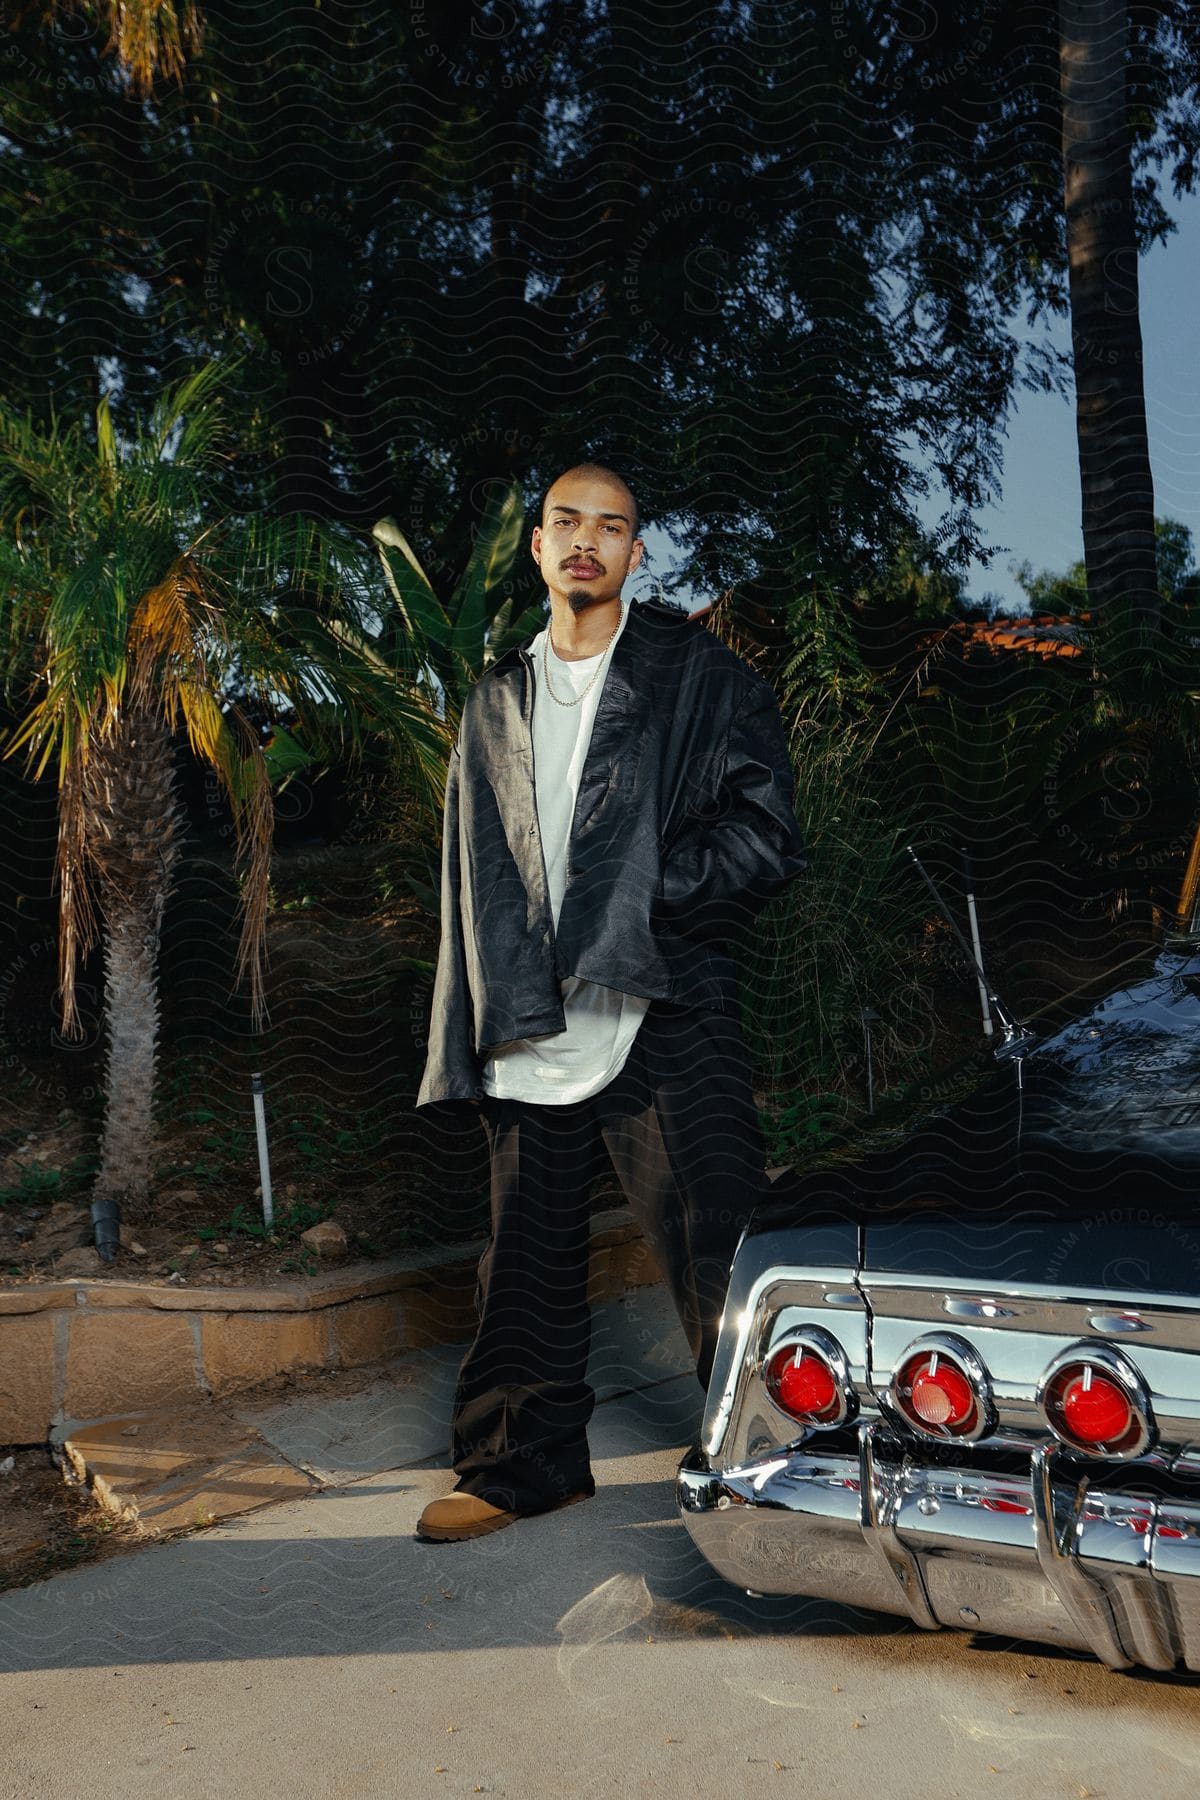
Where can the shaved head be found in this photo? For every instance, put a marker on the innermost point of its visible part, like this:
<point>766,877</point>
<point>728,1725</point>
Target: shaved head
<point>589,471</point>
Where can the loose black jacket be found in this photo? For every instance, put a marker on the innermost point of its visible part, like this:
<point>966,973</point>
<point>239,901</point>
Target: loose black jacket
<point>683,828</point>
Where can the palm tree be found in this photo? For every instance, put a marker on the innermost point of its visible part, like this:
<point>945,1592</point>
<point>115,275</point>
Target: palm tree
<point>148,37</point>
<point>1114,449</point>
<point>139,601</point>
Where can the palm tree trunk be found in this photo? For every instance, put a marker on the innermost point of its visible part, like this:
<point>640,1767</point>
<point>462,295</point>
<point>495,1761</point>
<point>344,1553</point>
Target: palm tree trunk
<point>132,1020</point>
<point>1110,404</point>
<point>133,827</point>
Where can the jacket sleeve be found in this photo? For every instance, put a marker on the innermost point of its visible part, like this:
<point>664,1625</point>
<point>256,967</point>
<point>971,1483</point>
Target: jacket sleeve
<point>452,1068</point>
<point>727,862</point>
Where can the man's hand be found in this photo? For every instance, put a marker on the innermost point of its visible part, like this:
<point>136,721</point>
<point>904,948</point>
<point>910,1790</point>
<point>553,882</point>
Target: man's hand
<point>725,864</point>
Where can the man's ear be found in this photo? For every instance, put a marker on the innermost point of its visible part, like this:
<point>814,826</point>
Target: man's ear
<point>535,545</point>
<point>635,553</point>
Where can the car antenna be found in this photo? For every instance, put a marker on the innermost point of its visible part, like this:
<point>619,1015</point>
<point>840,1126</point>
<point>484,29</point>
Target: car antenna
<point>976,944</point>
<point>1013,1035</point>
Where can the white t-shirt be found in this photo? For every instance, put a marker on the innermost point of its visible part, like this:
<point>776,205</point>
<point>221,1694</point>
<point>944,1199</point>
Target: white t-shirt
<point>601,1023</point>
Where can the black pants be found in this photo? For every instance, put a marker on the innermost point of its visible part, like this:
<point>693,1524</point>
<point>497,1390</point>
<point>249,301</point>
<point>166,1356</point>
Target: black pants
<point>682,1132</point>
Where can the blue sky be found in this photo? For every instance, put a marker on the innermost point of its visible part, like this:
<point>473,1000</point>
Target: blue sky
<point>1038,515</point>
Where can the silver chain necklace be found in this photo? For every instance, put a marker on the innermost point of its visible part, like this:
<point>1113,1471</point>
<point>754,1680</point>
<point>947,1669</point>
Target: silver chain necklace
<point>584,692</point>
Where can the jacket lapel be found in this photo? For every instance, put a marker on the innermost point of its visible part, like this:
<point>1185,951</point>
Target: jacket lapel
<point>503,740</point>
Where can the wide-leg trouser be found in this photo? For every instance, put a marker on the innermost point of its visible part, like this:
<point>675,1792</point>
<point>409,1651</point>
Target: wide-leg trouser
<point>681,1129</point>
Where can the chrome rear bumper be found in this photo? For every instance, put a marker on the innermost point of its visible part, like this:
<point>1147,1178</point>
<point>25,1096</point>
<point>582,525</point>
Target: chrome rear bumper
<point>1040,1555</point>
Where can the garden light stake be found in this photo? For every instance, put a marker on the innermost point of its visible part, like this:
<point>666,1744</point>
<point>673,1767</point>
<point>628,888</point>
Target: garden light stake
<point>264,1161</point>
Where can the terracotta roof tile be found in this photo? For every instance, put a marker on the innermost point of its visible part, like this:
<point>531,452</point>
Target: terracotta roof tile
<point>1046,635</point>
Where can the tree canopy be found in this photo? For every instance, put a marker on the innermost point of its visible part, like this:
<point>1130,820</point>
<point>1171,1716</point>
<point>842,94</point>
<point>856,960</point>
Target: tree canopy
<point>765,258</point>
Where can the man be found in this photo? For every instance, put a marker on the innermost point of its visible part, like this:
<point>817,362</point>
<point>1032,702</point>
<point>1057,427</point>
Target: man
<point>618,801</point>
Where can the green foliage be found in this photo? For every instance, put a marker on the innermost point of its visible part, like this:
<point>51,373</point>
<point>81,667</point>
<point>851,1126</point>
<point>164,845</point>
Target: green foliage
<point>1126,748</point>
<point>917,583</point>
<point>760,330</point>
<point>133,583</point>
<point>847,938</point>
<point>1053,592</point>
<point>448,645</point>
<point>304,1141</point>
<point>289,1221</point>
<point>303,1264</point>
<point>982,750</point>
<point>445,646</point>
<point>1068,787</point>
<point>285,757</point>
<point>127,565</point>
<point>35,1184</point>
<point>773,340</point>
<point>824,659</point>
<point>808,1124</point>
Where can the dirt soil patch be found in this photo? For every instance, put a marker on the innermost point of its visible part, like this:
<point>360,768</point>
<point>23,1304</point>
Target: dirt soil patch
<point>203,1221</point>
<point>48,1523</point>
<point>348,980</point>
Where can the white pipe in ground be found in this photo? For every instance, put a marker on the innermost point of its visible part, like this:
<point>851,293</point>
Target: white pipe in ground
<point>264,1161</point>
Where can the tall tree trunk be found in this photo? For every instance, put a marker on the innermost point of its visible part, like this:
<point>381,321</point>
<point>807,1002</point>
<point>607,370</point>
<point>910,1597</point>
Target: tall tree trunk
<point>131,1017</point>
<point>1110,402</point>
<point>133,830</point>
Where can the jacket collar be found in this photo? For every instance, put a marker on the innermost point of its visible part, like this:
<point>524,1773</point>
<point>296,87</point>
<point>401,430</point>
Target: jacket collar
<point>643,626</point>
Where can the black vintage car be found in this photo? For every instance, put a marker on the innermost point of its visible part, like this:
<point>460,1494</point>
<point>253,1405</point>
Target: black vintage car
<point>961,1381</point>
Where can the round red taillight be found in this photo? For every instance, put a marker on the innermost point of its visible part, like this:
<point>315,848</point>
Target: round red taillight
<point>1095,1407</point>
<point>935,1393</point>
<point>940,1395</point>
<point>803,1384</point>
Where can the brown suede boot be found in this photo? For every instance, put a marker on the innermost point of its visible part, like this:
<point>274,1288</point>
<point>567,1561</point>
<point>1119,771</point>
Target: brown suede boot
<point>458,1516</point>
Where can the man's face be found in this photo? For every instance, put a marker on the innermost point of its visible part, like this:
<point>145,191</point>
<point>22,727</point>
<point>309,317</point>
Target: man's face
<point>585,545</point>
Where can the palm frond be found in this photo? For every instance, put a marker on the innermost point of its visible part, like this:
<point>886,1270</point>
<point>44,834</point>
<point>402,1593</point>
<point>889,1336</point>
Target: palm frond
<point>255,817</point>
<point>421,644</point>
<point>226,742</point>
<point>337,685</point>
<point>171,626</point>
<point>77,932</point>
<point>194,407</point>
<point>150,37</point>
<point>490,563</point>
<point>106,445</point>
<point>507,632</point>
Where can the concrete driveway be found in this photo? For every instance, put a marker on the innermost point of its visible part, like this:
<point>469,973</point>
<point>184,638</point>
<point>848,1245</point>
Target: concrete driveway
<point>315,1648</point>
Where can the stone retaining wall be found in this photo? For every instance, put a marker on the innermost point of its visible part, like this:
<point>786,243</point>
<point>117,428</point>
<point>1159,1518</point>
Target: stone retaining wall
<point>89,1349</point>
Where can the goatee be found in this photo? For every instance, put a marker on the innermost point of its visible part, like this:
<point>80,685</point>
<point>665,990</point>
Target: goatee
<point>580,598</point>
